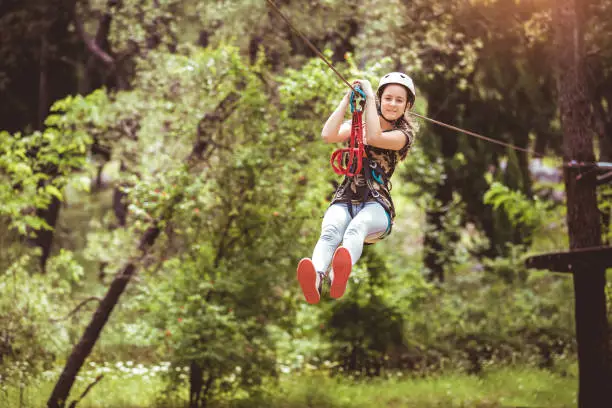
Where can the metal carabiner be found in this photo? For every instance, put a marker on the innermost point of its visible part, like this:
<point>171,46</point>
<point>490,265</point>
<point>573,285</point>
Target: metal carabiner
<point>353,97</point>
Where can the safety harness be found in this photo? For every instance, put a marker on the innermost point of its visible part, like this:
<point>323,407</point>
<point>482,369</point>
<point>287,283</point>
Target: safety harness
<point>355,156</point>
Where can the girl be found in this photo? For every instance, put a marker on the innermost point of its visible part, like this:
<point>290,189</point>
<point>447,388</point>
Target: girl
<point>361,209</point>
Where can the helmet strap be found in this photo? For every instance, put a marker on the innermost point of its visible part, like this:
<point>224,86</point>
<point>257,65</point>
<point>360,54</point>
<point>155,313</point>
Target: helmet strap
<point>390,121</point>
<point>378,108</point>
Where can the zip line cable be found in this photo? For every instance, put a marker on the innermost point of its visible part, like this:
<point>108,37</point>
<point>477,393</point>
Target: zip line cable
<point>467,132</point>
<point>312,47</point>
<point>455,128</point>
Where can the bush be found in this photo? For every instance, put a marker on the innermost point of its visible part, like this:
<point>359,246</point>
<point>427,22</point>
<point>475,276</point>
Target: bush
<point>365,328</point>
<point>25,332</point>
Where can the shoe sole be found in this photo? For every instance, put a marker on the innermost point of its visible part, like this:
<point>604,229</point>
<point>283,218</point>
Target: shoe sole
<point>307,277</point>
<point>341,264</point>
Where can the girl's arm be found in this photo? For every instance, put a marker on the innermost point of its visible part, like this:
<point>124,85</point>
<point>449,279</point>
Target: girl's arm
<point>390,140</point>
<point>334,129</point>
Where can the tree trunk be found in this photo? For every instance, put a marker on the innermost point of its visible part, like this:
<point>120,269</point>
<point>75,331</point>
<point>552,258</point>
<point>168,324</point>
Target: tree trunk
<point>80,352</point>
<point>44,238</point>
<point>120,205</point>
<point>433,248</point>
<point>442,108</point>
<point>43,84</point>
<point>207,387</point>
<point>196,382</point>
<point>583,217</point>
<point>350,29</point>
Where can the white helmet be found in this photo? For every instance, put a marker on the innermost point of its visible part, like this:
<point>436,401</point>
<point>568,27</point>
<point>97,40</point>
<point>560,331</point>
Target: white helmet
<point>400,79</point>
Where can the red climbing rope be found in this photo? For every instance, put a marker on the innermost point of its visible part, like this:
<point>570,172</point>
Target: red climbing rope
<point>355,151</point>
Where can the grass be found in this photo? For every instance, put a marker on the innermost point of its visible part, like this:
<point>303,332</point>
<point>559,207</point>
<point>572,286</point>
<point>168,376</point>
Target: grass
<point>498,388</point>
<point>138,387</point>
<point>123,385</point>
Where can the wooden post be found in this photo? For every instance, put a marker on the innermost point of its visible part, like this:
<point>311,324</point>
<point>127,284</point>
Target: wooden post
<point>583,218</point>
<point>569,261</point>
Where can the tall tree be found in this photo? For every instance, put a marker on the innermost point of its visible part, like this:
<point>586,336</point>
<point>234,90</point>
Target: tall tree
<point>583,218</point>
<point>599,74</point>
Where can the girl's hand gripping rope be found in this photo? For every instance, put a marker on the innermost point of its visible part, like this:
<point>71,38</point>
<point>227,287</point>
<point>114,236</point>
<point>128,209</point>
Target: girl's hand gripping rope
<point>355,150</point>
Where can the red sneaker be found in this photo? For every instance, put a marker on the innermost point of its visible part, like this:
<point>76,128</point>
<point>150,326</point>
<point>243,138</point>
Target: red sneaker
<point>341,265</point>
<point>307,276</point>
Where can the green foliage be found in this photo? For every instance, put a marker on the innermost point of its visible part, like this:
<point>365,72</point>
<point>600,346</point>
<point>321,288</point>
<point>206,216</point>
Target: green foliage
<point>366,328</point>
<point>206,324</point>
<point>250,23</point>
<point>29,302</point>
<point>423,172</point>
<point>604,203</point>
<point>38,166</point>
<point>492,314</point>
<point>521,211</point>
<point>67,270</point>
<point>451,255</point>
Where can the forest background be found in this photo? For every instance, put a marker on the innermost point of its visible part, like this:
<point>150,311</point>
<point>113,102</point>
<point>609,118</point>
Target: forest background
<point>161,173</point>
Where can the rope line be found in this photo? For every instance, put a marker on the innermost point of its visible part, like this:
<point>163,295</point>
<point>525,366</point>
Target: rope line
<point>579,164</point>
<point>479,136</point>
<point>455,128</point>
<point>312,47</point>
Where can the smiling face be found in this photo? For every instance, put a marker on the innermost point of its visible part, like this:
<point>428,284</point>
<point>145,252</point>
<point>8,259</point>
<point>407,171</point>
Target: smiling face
<point>393,101</point>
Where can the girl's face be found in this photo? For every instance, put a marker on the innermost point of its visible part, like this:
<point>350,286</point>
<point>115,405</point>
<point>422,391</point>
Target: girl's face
<point>393,101</point>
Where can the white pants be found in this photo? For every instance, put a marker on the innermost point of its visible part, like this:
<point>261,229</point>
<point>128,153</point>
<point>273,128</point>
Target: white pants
<point>369,224</point>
